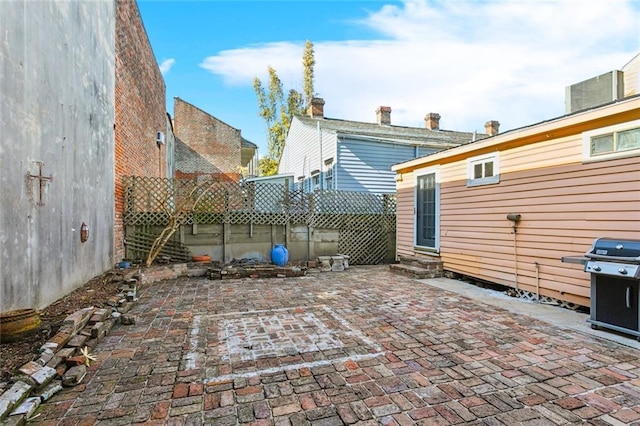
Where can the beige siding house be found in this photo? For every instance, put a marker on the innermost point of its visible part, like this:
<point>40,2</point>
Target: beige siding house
<point>571,179</point>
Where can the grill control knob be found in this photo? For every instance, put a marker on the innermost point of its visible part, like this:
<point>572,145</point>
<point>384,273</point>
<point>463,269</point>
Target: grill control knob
<point>623,271</point>
<point>596,268</point>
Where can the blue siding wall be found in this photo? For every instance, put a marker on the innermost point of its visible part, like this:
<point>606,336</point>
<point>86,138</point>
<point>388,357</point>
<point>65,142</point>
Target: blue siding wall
<point>366,166</point>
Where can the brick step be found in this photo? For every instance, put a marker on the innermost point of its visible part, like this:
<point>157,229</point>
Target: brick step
<point>415,271</point>
<point>421,262</point>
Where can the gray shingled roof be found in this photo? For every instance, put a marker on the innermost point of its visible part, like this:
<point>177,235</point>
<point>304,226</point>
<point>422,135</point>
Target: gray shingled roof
<point>391,132</point>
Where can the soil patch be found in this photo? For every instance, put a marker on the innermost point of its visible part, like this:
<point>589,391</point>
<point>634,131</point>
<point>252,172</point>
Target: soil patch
<point>96,292</point>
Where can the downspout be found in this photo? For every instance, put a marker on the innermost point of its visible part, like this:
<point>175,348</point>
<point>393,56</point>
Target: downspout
<point>515,219</point>
<point>537,281</point>
<point>515,258</point>
<point>320,144</point>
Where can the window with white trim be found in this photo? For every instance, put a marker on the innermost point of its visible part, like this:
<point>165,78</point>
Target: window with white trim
<point>612,142</point>
<point>315,180</point>
<point>483,170</point>
<point>328,173</point>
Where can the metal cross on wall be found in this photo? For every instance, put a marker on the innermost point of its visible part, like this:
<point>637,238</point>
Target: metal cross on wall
<point>42,180</point>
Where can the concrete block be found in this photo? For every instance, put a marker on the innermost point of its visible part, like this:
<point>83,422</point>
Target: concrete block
<point>74,375</point>
<point>127,319</point>
<point>45,356</point>
<point>99,315</point>
<point>337,263</point>
<point>96,329</point>
<point>12,397</point>
<point>55,361</point>
<point>49,390</point>
<point>30,368</point>
<point>27,407</point>
<point>44,376</point>
<point>77,341</point>
<point>125,307</point>
<point>65,353</point>
<point>77,320</point>
<point>49,346</point>
<point>57,341</point>
<point>325,263</point>
<point>108,324</point>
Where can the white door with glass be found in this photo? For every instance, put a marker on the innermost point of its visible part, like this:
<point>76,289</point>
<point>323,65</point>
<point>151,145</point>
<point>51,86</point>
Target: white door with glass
<point>427,211</point>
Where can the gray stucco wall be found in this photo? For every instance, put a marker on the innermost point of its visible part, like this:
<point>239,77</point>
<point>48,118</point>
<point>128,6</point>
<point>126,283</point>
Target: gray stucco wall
<point>57,107</point>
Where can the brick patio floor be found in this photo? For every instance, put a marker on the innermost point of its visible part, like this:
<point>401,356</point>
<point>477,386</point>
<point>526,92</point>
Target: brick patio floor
<point>362,347</point>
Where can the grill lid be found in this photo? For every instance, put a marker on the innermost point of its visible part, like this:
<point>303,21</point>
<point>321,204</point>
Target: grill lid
<point>615,250</point>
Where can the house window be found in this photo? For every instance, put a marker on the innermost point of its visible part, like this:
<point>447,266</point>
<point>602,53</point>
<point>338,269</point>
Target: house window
<point>427,211</point>
<point>612,142</point>
<point>315,180</point>
<point>617,141</point>
<point>328,173</point>
<point>483,170</point>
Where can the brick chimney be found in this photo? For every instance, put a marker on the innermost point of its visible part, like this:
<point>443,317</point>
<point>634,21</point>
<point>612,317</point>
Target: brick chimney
<point>316,109</point>
<point>383,114</point>
<point>432,121</point>
<point>492,127</point>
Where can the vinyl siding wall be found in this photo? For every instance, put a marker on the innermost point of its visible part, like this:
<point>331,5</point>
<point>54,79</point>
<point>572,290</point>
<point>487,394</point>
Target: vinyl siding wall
<point>565,204</point>
<point>301,154</point>
<point>366,166</point>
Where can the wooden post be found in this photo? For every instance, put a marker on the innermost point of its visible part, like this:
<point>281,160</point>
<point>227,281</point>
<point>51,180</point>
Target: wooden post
<point>311,247</point>
<point>226,236</point>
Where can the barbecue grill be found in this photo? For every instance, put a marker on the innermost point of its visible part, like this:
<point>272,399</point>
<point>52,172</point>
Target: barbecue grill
<point>614,265</point>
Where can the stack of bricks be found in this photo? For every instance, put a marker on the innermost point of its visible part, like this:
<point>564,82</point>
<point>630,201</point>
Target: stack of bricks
<point>254,271</point>
<point>63,358</point>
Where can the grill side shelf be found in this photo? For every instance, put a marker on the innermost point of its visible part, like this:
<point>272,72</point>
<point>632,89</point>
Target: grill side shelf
<point>575,260</point>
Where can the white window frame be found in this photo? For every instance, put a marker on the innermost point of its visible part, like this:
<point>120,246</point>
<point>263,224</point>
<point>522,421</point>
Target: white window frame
<point>421,248</point>
<point>586,142</point>
<point>494,158</point>
<point>315,180</point>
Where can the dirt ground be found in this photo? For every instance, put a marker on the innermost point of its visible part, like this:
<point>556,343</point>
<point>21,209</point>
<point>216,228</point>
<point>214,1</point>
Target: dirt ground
<point>95,292</point>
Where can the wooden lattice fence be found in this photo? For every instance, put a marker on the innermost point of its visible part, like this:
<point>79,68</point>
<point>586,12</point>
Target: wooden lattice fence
<point>366,222</point>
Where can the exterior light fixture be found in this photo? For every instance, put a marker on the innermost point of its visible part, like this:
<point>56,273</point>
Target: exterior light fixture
<point>84,232</point>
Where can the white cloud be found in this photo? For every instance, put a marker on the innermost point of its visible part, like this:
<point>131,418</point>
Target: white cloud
<point>469,61</point>
<point>166,65</point>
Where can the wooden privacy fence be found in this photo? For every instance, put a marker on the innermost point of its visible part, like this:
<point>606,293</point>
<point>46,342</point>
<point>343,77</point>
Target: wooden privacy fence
<point>364,223</point>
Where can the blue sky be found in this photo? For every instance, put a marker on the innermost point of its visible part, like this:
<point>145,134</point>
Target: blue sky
<point>469,61</point>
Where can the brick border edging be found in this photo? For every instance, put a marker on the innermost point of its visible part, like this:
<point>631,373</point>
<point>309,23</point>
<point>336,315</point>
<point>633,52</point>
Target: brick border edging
<point>62,362</point>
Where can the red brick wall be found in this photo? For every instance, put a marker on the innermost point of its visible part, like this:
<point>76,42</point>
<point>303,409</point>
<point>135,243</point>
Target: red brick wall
<point>207,139</point>
<point>140,109</point>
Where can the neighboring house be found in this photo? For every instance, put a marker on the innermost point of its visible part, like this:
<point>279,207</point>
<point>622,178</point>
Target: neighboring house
<point>325,153</point>
<point>82,104</point>
<point>206,145</point>
<point>571,179</point>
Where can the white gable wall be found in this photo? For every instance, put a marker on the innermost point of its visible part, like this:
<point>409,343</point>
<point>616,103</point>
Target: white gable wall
<point>301,154</point>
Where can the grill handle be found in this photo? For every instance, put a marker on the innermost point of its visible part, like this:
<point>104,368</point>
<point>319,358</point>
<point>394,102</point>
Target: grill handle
<point>612,258</point>
<point>628,297</point>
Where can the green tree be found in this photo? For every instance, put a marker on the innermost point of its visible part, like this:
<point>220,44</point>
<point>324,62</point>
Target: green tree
<point>278,111</point>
